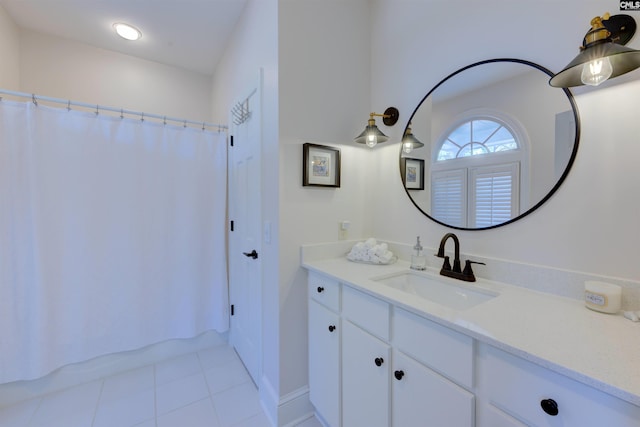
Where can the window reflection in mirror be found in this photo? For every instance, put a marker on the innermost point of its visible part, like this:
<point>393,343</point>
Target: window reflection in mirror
<point>498,141</point>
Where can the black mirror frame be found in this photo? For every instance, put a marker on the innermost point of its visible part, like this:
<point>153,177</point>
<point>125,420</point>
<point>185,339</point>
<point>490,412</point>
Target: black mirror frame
<point>574,152</point>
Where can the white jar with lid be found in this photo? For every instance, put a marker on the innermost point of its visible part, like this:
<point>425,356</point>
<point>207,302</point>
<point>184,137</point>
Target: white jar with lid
<point>602,296</point>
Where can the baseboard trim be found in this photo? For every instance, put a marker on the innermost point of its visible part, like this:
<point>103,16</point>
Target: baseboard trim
<point>295,407</point>
<point>288,410</point>
<point>269,400</point>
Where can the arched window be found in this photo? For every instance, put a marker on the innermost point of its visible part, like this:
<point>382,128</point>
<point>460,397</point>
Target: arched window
<point>477,137</point>
<point>475,173</point>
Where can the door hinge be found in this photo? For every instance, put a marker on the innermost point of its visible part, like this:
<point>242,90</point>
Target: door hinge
<point>232,309</point>
<point>231,140</point>
<point>231,225</point>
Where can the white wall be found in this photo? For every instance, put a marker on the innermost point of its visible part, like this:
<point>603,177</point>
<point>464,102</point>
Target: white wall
<point>9,52</point>
<point>590,225</point>
<point>324,57</point>
<point>253,46</point>
<point>60,68</point>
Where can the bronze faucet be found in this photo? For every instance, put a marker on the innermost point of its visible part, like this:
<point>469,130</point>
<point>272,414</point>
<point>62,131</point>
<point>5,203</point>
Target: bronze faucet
<point>456,272</point>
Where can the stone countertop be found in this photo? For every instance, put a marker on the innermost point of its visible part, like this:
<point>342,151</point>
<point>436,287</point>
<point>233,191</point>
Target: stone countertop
<point>560,334</point>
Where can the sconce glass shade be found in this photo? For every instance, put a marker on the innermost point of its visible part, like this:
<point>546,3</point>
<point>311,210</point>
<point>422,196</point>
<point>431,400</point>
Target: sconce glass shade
<point>410,142</point>
<point>372,136</point>
<point>621,58</point>
<point>603,54</point>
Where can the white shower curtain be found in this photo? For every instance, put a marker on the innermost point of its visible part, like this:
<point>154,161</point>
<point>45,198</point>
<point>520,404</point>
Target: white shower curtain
<point>112,236</point>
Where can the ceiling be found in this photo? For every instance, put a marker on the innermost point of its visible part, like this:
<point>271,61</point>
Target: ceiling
<point>189,34</point>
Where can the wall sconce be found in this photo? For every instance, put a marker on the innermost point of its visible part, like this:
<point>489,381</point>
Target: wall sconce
<point>410,142</point>
<point>371,134</point>
<point>602,54</point>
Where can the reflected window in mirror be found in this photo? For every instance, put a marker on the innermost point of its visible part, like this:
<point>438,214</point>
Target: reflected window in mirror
<point>475,173</point>
<point>475,138</point>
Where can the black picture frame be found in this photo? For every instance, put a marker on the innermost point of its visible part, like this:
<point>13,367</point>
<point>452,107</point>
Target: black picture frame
<point>320,166</point>
<point>412,173</point>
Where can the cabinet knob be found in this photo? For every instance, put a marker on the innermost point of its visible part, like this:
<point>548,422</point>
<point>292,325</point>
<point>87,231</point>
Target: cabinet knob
<point>398,375</point>
<point>379,361</point>
<point>320,289</point>
<point>549,406</point>
<point>332,328</point>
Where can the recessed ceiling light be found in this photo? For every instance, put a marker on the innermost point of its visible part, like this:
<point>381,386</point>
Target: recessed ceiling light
<point>127,31</point>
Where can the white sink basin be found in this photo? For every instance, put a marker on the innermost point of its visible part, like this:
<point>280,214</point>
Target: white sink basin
<point>443,292</point>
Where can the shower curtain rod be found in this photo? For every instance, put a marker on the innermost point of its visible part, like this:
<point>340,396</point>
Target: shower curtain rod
<point>35,98</point>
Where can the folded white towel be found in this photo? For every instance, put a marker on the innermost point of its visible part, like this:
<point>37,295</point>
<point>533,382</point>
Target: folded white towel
<point>379,250</point>
<point>370,242</point>
<point>370,251</point>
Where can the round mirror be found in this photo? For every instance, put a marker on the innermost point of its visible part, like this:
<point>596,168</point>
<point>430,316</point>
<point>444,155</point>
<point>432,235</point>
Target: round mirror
<point>489,144</point>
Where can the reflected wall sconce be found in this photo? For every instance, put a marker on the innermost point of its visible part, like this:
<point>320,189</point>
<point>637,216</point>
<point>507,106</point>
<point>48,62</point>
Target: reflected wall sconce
<point>371,135</point>
<point>410,142</point>
<point>602,54</point>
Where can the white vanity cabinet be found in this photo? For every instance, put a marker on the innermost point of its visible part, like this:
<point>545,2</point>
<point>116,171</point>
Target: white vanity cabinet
<point>379,384</point>
<point>324,347</point>
<point>517,392</point>
<point>373,363</point>
<point>393,362</point>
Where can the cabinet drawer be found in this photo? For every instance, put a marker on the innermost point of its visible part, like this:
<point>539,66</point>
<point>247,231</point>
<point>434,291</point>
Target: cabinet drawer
<point>438,347</point>
<point>518,387</point>
<point>370,313</point>
<point>324,290</point>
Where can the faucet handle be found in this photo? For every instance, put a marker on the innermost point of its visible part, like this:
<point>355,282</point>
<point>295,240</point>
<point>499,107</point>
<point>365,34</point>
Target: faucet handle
<point>446,266</point>
<point>468,271</point>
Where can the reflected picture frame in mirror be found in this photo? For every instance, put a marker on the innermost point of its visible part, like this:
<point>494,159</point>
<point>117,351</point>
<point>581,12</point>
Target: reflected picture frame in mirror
<point>492,127</point>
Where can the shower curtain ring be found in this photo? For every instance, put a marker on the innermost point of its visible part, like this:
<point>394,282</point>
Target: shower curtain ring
<point>33,98</point>
<point>69,105</point>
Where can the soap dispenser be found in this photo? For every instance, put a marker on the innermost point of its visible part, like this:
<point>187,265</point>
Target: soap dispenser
<point>418,260</point>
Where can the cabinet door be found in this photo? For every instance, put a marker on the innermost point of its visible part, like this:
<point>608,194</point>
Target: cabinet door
<point>324,362</point>
<point>423,398</point>
<point>365,385</point>
<point>490,416</point>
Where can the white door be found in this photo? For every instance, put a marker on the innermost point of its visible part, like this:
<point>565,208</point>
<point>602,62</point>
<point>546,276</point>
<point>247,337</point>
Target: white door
<point>245,262</point>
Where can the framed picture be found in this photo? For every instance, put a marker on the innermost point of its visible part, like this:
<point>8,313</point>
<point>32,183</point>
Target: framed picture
<point>320,165</point>
<point>413,173</point>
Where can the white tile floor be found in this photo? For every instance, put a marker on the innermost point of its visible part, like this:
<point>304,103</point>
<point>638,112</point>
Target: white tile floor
<point>210,388</point>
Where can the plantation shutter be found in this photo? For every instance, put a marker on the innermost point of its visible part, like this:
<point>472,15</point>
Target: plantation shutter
<point>494,192</point>
<point>448,196</point>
